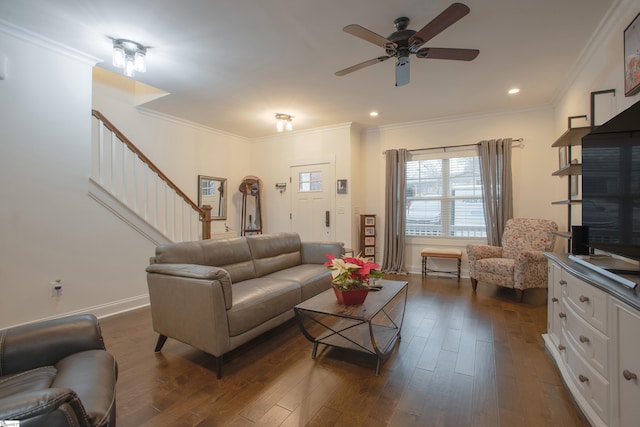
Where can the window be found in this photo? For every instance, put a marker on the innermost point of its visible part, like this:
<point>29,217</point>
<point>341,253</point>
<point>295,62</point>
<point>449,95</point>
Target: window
<point>310,181</point>
<point>444,197</point>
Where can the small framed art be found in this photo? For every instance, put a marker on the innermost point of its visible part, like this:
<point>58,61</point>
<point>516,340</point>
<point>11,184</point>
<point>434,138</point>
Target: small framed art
<point>369,241</point>
<point>370,220</point>
<point>369,231</point>
<point>563,153</point>
<point>369,251</point>
<point>341,186</point>
<point>632,57</point>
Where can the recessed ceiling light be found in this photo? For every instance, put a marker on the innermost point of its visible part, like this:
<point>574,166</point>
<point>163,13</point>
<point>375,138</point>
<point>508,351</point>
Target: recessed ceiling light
<point>514,91</point>
<point>373,114</point>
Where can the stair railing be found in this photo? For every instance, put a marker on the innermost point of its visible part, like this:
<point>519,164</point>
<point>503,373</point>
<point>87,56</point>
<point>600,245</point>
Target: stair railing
<point>122,170</point>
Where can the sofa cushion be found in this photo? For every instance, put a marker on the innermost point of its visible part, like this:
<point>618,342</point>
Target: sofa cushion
<point>34,379</point>
<point>232,255</point>
<point>496,270</point>
<point>257,300</point>
<point>313,278</point>
<point>274,252</point>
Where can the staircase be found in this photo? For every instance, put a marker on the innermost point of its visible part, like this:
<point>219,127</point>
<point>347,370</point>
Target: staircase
<point>127,183</point>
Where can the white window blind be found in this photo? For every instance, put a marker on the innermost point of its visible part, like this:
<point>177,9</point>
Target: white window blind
<point>444,196</point>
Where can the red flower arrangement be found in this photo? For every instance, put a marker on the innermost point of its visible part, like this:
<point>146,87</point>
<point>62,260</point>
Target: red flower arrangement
<point>352,272</point>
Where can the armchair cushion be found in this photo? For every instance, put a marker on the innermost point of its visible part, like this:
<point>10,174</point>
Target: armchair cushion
<point>522,234</point>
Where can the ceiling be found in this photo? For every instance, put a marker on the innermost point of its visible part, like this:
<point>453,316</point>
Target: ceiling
<point>232,65</point>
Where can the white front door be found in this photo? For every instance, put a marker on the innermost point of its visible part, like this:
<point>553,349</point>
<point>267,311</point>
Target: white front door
<point>311,214</point>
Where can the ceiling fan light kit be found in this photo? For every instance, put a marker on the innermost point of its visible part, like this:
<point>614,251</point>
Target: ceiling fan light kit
<point>404,42</point>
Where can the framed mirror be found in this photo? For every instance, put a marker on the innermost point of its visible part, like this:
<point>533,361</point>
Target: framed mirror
<point>212,191</point>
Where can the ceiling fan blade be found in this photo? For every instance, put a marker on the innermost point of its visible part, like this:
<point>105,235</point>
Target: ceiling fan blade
<point>440,23</point>
<point>361,65</point>
<point>448,53</point>
<point>368,35</point>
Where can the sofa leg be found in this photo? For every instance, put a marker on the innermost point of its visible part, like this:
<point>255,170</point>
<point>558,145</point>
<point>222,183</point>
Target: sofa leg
<point>219,366</point>
<point>161,340</point>
<point>520,295</point>
<point>474,283</point>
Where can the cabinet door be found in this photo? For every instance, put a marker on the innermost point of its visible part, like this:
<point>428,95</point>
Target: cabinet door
<point>628,365</point>
<point>554,306</point>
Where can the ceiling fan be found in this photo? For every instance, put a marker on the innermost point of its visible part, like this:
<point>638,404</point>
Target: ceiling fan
<point>404,42</point>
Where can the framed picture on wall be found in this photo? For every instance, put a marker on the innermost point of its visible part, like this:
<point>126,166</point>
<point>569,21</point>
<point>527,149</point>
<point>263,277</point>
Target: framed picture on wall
<point>369,231</point>
<point>341,186</point>
<point>370,220</point>
<point>632,57</point>
<point>563,153</point>
<point>369,251</point>
<point>369,241</point>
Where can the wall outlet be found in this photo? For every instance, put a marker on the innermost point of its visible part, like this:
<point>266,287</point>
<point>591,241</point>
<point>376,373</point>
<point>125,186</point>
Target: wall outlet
<point>56,288</point>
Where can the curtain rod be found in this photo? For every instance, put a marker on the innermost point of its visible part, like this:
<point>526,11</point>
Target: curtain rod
<point>519,145</point>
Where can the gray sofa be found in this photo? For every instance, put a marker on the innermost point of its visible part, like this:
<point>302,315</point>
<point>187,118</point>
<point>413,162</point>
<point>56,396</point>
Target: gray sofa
<point>216,295</point>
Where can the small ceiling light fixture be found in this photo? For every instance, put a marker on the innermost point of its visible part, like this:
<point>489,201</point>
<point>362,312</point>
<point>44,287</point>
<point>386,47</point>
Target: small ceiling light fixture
<point>514,91</point>
<point>284,122</point>
<point>373,114</point>
<point>130,56</point>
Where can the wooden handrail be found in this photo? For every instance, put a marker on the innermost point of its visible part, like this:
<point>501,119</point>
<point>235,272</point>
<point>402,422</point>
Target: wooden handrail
<point>204,213</point>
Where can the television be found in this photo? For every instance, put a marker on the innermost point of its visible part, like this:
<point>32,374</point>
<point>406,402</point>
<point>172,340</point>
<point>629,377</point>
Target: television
<point>611,185</point>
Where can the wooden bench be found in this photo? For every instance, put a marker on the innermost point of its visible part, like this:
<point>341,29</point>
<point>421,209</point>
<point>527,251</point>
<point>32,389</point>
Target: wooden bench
<point>440,253</point>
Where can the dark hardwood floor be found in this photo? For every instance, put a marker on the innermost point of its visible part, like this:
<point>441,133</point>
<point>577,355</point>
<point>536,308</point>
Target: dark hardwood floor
<point>465,359</point>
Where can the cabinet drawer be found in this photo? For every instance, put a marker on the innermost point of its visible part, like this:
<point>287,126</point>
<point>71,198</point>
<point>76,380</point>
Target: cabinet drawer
<point>593,387</point>
<point>590,343</point>
<point>587,301</point>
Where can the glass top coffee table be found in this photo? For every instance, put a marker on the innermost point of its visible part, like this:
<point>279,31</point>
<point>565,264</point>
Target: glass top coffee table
<point>373,327</point>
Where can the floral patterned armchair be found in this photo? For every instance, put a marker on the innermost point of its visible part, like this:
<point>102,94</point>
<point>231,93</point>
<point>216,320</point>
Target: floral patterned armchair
<point>520,262</point>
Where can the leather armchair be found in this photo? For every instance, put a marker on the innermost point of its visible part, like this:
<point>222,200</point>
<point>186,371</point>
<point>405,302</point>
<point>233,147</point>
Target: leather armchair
<point>57,373</point>
<point>520,262</point>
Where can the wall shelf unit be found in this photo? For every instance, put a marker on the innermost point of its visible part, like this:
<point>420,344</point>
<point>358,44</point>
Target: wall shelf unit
<point>569,167</point>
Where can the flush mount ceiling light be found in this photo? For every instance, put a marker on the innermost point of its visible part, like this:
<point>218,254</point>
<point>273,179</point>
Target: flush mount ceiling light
<point>514,91</point>
<point>284,122</point>
<point>130,56</point>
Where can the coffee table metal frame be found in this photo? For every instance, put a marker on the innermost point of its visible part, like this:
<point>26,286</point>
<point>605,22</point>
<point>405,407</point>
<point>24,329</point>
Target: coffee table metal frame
<point>372,328</point>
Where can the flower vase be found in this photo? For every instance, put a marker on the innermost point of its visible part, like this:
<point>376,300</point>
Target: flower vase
<point>350,296</point>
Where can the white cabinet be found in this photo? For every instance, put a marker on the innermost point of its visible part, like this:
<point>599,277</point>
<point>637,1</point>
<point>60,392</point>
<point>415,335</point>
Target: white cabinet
<point>594,337</point>
<point>627,364</point>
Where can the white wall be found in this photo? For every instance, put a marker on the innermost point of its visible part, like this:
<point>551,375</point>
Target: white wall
<point>272,158</point>
<point>182,150</point>
<point>600,68</point>
<point>49,227</point>
<point>532,166</point>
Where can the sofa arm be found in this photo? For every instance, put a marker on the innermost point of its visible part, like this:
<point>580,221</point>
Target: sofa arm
<point>51,407</point>
<point>193,271</point>
<point>530,270</point>
<point>316,252</point>
<point>191,305</point>
<point>44,343</point>
<point>477,252</point>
